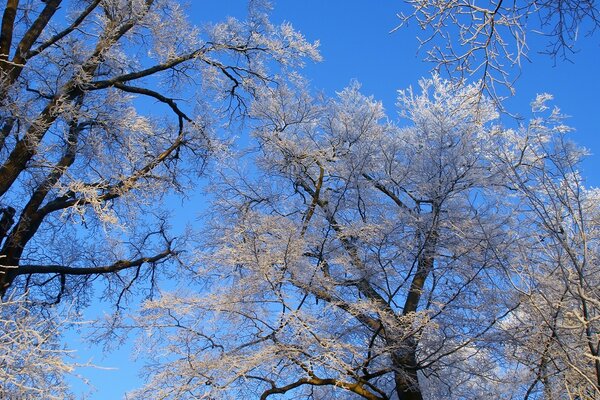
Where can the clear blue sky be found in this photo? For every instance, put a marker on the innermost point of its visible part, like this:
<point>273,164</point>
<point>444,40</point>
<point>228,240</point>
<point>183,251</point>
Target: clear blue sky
<point>356,44</point>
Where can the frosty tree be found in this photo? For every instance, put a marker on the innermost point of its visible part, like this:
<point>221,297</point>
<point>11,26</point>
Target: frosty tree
<point>33,361</point>
<point>366,260</point>
<point>107,107</point>
<point>345,255</point>
<point>97,125</point>
<point>557,327</point>
<point>489,39</point>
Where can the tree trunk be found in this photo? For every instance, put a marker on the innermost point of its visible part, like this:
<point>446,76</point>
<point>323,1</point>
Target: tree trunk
<point>405,359</point>
<point>405,377</point>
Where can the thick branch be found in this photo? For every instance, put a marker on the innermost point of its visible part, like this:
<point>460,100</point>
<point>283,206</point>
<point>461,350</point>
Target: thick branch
<point>107,269</point>
<point>6,32</point>
<point>25,149</point>
<point>357,388</point>
<point>145,72</point>
<point>14,68</point>
<point>388,193</point>
<point>361,284</point>
<point>315,200</point>
<point>31,219</point>
<point>54,39</point>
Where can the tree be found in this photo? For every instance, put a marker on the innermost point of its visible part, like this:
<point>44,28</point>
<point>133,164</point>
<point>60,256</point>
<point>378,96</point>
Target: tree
<point>96,130</point>
<point>558,328</point>
<point>487,40</point>
<point>352,258</point>
<point>32,361</point>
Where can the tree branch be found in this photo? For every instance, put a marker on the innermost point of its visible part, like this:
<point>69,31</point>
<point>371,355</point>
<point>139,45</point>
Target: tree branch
<point>120,265</point>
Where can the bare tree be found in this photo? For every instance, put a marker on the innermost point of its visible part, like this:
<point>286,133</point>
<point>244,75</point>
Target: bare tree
<point>490,39</point>
<point>361,260</point>
<point>97,126</point>
<point>33,361</point>
<point>351,258</point>
<point>559,319</point>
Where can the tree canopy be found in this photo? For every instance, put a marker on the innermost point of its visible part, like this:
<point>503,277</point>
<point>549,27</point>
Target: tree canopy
<point>108,105</point>
<point>448,258</point>
<point>490,40</point>
<point>343,253</point>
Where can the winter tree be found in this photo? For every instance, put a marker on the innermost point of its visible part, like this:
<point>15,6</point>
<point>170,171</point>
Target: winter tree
<point>32,360</point>
<point>106,107</point>
<point>353,258</point>
<point>488,39</point>
<point>558,331</point>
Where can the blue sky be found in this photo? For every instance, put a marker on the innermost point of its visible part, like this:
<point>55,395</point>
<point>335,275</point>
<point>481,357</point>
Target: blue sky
<point>356,43</point>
